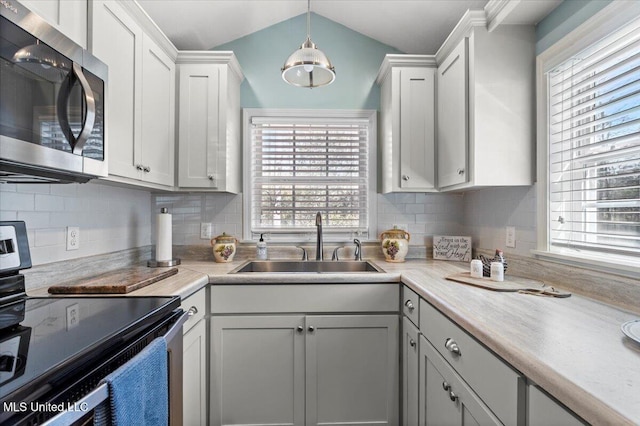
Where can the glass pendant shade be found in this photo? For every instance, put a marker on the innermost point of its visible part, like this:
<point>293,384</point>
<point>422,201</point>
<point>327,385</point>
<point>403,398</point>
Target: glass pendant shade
<point>308,66</point>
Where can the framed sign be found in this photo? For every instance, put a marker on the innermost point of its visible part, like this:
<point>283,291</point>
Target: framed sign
<point>447,247</point>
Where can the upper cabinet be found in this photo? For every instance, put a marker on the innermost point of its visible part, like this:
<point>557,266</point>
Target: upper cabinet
<point>68,17</point>
<point>485,105</point>
<point>407,123</point>
<point>141,93</point>
<point>209,146</point>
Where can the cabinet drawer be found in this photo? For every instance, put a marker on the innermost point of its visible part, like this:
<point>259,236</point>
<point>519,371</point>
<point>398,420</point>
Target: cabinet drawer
<point>499,386</point>
<point>198,303</point>
<point>411,305</point>
<point>308,298</point>
<point>445,397</point>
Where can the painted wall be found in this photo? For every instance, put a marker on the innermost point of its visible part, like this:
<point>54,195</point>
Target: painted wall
<point>355,57</point>
<point>564,19</point>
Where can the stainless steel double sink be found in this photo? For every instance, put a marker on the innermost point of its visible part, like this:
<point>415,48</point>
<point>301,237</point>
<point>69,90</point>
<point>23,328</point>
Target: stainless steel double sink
<point>299,266</point>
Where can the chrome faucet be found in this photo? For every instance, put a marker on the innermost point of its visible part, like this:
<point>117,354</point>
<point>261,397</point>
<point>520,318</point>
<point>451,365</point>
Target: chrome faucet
<point>358,253</point>
<point>319,248</point>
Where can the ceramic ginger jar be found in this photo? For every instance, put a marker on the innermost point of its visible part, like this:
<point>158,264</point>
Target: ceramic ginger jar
<point>395,244</point>
<point>224,247</point>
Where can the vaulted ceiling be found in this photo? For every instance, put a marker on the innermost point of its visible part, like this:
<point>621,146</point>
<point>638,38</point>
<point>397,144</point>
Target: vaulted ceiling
<point>411,26</point>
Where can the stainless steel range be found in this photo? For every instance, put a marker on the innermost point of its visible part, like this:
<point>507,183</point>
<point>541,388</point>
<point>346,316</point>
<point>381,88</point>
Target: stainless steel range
<point>54,351</point>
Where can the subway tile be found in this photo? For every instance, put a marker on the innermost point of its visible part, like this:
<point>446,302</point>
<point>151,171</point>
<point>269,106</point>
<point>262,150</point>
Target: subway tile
<point>34,220</point>
<point>33,188</point>
<point>65,190</point>
<point>8,187</point>
<point>17,201</point>
<point>51,237</point>
<point>50,203</point>
<point>8,215</point>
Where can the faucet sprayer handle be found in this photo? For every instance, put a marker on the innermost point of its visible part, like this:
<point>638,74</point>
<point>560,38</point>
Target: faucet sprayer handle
<point>305,257</point>
<point>335,253</point>
<point>358,253</point>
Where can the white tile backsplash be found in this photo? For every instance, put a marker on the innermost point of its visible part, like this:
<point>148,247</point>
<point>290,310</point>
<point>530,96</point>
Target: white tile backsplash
<point>110,218</point>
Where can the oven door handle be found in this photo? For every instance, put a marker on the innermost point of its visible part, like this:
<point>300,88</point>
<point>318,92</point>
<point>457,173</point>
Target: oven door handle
<point>176,327</point>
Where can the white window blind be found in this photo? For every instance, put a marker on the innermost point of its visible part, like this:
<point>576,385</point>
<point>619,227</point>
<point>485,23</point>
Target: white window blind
<point>301,166</point>
<point>594,147</point>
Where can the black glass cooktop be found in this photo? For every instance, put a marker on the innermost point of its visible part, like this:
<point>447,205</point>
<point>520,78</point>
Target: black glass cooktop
<point>41,335</point>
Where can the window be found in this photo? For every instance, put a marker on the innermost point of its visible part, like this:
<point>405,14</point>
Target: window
<point>592,189</point>
<point>304,162</point>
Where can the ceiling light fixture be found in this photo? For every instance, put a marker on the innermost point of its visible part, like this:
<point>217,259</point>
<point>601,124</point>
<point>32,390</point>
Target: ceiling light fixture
<point>308,66</point>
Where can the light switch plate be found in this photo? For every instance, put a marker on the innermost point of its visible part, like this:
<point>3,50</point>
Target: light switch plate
<point>511,236</point>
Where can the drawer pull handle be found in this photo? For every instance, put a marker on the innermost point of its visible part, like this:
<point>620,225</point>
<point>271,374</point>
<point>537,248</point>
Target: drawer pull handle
<point>412,343</point>
<point>409,305</point>
<point>300,329</point>
<point>446,386</point>
<point>192,311</point>
<point>452,346</point>
<point>452,396</point>
<point>311,328</point>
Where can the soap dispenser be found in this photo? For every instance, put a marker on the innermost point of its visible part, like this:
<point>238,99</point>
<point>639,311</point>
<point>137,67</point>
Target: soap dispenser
<point>261,249</point>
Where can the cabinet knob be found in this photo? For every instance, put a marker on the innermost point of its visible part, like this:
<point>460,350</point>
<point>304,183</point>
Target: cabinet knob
<point>311,328</point>
<point>412,343</point>
<point>452,346</point>
<point>210,177</point>
<point>192,311</point>
<point>452,396</point>
<point>446,386</point>
<point>146,169</point>
<point>139,167</point>
<point>300,329</point>
<point>460,171</point>
<point>405,177</point>
<point>409,305</point>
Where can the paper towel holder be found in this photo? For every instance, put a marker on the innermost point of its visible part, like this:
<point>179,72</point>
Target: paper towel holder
<point>163,263</point>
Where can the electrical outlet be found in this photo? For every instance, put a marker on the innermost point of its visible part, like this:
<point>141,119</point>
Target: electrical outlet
<point>402,226</point>
<point>205,231</point>
<point>73,316</point>
<point>73,238</point>
<point>511,236</point>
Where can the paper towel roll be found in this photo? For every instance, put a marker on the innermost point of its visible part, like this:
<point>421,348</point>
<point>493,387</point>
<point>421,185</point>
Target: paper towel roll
<point>163,236</point>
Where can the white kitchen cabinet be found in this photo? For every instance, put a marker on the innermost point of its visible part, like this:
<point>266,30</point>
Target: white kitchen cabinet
<point>407,123</point>
<point>542,410</point>
<point>486,112</point>
<point>410,372</point>
<point>194,361</point>
<point>209,146</point>
<point>306,368</point>
<point>67,16</point>
<point>141,95</point>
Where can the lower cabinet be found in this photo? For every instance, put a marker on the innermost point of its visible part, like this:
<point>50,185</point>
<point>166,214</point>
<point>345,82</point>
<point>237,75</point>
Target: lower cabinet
<point>194,361</point>
<point>545,411</point>
<point>304,369</point>
<point>445,399</point>
<point>410,372</point>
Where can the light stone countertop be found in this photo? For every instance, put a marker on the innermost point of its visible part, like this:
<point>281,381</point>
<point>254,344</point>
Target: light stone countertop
<point>573,348</point>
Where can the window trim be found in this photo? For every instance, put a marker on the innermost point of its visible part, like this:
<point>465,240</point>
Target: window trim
<point>610,18</point>
<point>249,113</point>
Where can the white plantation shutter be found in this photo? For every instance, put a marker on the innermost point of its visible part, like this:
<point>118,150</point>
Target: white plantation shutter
<point>301,166</point>
<point>594,147</point>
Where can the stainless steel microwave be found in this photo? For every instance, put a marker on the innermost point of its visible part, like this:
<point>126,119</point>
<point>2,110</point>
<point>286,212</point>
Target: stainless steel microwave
<point>52,103</point>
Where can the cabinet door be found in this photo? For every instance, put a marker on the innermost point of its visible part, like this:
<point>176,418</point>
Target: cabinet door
<point>352,370</point>
<point>199,126</point>
<point>257,370</point>
<point>453,118</point>
<point>417,128</point>
<point>544,411</point>
<point>158,114</point>
<point>445,399</point>
<point>410,372</point>
<point>194,379</point>
<point>117,40</point>
<point>69,17</point>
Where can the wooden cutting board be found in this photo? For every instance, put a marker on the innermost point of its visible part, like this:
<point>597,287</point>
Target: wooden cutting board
<point>510,283</point>
<point>120,282</point>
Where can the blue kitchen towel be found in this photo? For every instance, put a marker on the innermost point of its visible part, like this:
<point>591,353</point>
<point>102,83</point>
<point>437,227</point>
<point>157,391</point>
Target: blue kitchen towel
<point>138,390</point>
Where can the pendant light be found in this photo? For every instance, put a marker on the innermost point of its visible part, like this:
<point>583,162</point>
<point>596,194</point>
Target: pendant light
<point>308,66</point>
